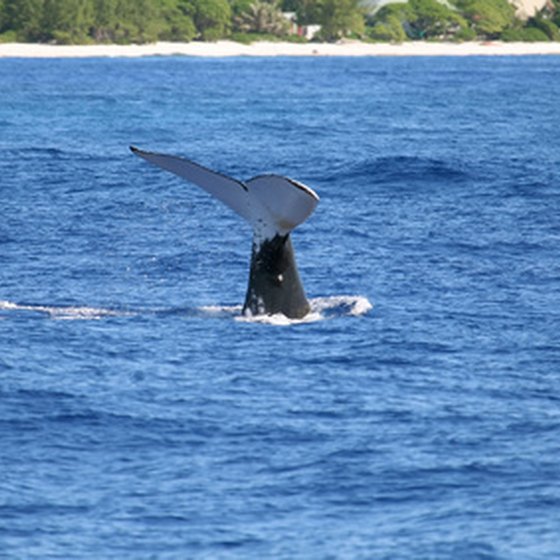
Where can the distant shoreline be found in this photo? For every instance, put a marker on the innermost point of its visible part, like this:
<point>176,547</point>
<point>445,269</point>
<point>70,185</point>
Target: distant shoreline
<point>269,49</point>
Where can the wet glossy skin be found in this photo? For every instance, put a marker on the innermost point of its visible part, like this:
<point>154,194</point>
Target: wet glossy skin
<point>274,282</point>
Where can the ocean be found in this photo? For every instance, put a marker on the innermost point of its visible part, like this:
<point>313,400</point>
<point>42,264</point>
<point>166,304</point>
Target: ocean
<point>414,415</point>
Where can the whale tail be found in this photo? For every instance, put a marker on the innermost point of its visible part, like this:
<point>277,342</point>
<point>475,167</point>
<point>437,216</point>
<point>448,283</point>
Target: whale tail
<point>274,206</point>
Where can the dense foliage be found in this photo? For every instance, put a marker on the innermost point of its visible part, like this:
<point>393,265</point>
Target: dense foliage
<point>462,20</point>
<point>138,21</point>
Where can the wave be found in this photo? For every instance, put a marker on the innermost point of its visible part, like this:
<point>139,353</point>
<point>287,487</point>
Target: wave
<point>399,169</point>
<point>46,153</point>
<point>321,308</point>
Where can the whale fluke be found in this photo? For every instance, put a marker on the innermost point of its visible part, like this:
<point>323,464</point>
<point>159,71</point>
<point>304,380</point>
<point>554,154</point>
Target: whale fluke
<point>274,206</point>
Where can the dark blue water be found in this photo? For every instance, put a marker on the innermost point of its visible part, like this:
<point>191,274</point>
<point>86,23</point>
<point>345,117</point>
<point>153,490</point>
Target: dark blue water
<point>140,418</point>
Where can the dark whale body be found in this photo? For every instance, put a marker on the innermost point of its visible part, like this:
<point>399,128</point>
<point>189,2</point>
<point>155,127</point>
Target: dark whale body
<point>274,282</point>
<point>274,206</point>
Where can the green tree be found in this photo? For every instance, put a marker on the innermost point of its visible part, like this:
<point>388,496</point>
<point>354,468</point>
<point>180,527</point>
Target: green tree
<point>240,6</point>
<point>419,19</point>
<point>555,17</point>
<point>488,17</point>
<point>308,11</point>
<point>525,34</point>
<point>340,18</point>
<point>177,24</point>
<point>289,5</point>
<point>212,18</point>
<point>2,17</point>
<point>548,27</point>
<point>391,19</point>
<point>104,20</point>
<point>431,19</point>
<point>389,29</point>
<point>24,17</point>
<point>400,10</point>
<point>66,21</point>
<point>262,17</point>
<point>104,11</point>
<point>137,21</point>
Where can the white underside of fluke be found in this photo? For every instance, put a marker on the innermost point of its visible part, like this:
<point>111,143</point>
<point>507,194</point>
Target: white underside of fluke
<point>272,204</point>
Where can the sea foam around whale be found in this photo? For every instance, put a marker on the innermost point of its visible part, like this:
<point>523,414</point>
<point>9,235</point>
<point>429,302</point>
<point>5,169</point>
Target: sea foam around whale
<point>321,308</point>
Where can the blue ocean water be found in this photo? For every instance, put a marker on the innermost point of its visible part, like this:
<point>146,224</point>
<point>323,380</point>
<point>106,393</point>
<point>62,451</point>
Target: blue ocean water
<point>140,418</point>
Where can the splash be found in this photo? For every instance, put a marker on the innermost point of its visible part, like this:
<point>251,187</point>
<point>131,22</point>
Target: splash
<point>64,312</point>
<point>322,308</point>
<point>342,305</point>
<point>221,310</point>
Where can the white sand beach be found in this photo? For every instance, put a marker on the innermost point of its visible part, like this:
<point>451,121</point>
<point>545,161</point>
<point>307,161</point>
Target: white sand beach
<point>263,49</point>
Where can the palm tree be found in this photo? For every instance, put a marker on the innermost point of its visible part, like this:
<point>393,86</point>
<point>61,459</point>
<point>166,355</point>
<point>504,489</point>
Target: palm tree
<point>262,17</point>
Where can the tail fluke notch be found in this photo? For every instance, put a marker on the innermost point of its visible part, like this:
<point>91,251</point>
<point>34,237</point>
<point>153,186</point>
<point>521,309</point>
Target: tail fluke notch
<point>270,203</point>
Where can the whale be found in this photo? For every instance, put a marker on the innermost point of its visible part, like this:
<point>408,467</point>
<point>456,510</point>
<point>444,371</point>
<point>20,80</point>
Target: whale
<point>273,206</point>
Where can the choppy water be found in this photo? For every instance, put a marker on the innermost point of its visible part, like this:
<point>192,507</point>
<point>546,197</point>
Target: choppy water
<point>153,423</point>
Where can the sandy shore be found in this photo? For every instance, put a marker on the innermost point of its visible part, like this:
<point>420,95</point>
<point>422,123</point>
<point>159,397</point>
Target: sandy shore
<point>229,48</point>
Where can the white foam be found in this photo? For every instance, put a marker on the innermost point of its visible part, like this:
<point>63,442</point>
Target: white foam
<point>279,319</point>
<point>62,312</point>
<point>221,310</point>
<point>322,308</point>
<point>353,305</point>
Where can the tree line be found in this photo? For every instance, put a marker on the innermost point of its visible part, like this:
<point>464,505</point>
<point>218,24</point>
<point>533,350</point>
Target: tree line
<point>464,20</point>
<point>141,21</point>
